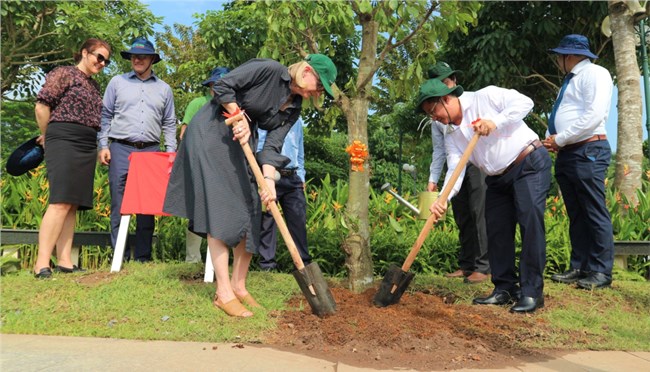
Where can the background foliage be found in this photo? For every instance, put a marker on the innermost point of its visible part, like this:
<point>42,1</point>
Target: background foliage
<point>508,46</point>
<point>394,228</point>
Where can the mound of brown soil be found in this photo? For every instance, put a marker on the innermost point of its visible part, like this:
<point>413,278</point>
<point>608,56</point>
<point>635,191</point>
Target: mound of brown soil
<point>422,332</point>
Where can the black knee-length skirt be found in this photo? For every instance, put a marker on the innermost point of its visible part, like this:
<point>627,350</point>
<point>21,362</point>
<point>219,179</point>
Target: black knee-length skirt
<point>70,158</point>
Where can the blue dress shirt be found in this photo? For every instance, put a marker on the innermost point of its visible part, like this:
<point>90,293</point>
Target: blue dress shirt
<point>138,111</point>
<point>293,148</point>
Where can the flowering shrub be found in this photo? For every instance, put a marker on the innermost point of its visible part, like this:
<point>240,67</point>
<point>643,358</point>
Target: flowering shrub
<point>393,228</point>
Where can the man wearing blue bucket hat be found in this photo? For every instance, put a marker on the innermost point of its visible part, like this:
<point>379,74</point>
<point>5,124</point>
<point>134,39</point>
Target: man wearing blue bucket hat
<point>138,107</point>
<point>576,131</point>
<point>193,241</point>
<point>518,170</point>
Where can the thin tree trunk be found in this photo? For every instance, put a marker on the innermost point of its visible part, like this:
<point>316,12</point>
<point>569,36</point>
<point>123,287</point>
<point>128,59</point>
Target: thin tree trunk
<point>629,153</point>
<point>358,258</point>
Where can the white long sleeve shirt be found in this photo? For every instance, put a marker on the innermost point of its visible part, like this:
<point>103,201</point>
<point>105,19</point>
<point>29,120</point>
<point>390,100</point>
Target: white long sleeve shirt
<point>493,153</point>
<point>439,154</point>
<point>584,108</point>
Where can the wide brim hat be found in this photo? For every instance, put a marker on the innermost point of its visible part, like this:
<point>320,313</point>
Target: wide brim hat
<point>25,158</point>
<point>325,69</point>
<point>435,88</point>
<point>216,74</point>
<point>441,71</point>
<point>141,46</point>
<point>574,44</point>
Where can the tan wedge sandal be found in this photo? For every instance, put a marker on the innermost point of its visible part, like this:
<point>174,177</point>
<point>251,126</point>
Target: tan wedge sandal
<point>248,300</point>
<point>232,307</point>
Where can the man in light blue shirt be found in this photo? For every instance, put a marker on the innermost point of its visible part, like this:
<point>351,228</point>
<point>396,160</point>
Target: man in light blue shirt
<point>138,107</point>
<point>576,131</point>
<point>290,190</point>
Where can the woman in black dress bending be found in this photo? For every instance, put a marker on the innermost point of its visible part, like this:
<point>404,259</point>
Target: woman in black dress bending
<point>211,183</point>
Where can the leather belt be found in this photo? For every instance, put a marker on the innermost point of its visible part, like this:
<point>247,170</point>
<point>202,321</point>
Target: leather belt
<point>137,145</point>
<point>522,155</point>
<point>287,172</point>
<point>596,137</point>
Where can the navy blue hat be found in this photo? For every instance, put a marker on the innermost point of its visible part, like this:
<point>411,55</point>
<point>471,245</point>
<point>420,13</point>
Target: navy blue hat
<point>215,75</point>
<point>141,46</point>
<point>25,158</point>
<point>574,44</point>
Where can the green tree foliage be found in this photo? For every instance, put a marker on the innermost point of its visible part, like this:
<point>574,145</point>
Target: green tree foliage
<point>325,157</point>
<point>509,45</point>
<point>40,35</point>
<point>18,125</point>
<point>187,62</point>
<point>234,34</point>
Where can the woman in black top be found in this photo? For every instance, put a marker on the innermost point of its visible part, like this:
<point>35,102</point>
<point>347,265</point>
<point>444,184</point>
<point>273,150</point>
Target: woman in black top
<point>68,111</point>
<point>211,183</point>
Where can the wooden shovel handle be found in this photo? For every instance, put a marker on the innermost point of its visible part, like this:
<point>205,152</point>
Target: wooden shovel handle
<point>273,207</point>
<point>428,225</point>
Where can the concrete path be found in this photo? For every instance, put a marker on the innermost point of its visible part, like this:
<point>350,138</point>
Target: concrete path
<point>55,353</point>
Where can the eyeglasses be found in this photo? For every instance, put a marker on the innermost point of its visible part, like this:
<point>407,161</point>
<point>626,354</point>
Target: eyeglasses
<point>101,59</point>
<point>319,84</point>
<point>432,112</point>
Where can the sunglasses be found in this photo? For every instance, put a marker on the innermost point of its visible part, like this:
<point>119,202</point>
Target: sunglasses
<point>102,59</point>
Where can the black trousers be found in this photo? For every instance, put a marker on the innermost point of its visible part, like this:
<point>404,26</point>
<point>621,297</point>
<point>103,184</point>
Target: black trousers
<point>469,213</point>
<point>580,173</point>
<point>291,196</point>
<point>519,197</point>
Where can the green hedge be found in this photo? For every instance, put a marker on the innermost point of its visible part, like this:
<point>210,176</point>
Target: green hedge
<point>393,228</point>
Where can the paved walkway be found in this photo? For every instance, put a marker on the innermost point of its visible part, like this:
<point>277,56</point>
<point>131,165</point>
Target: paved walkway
<point>55,353</point>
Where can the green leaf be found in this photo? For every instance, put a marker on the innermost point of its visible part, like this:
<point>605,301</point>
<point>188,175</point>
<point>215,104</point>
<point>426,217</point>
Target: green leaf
<point>395,225</point>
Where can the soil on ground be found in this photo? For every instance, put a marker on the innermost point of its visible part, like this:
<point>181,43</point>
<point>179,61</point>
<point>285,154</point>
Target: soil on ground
<point>423,331</point>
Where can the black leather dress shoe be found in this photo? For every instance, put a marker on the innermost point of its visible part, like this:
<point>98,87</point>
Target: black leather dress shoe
<point>528,304</point>
<point>67,270</point>
<point>44,273</point>
<point>569,277</point>
<point>595,280</point>
<point>498,297</point>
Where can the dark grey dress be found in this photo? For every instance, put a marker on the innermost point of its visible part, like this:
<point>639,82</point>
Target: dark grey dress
<point>211,182</point>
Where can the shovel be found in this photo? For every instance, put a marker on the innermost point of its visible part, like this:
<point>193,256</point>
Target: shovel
<point>398,279</point>
<point>310,278</point>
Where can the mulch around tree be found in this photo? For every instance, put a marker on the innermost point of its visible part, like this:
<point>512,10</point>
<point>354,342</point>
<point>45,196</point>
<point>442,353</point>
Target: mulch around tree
<point>423,331</point>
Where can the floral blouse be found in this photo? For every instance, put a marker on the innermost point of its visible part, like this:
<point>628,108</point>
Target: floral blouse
<point>72,97</point>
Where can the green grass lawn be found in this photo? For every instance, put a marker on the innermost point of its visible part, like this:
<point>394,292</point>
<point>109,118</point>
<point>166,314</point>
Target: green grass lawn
<point>169,301</point>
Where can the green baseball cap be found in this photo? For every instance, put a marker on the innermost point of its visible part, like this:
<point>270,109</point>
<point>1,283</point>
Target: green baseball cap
<point>441,71</point>
<point>325,69</point>
<point>435,88</point>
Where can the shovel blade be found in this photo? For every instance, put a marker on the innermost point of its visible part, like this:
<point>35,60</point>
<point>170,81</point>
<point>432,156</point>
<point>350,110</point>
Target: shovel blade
<point>315,288</point>
<point>395,278</point>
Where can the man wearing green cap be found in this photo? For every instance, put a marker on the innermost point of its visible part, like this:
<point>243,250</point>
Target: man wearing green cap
<point>468,204</point>
<point>518,179</point>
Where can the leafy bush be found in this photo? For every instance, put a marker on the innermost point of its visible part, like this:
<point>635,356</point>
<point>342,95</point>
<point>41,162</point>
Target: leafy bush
<point>393,228</point>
